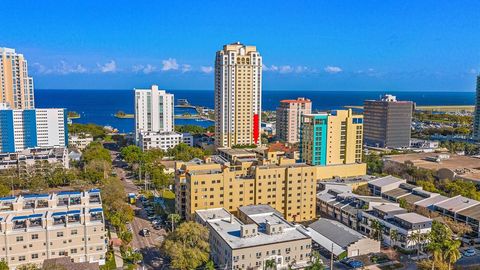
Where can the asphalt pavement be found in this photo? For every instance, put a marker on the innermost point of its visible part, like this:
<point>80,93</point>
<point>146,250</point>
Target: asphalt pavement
<point>148,245</point>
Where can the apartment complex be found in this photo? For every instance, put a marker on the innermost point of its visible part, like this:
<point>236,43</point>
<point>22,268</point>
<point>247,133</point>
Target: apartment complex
<point>289,118</point>
<point>153,111</point>
<point>46,226</point>
<point>160,140</point>
<point>331,139</point>
<point>395,218</point>
<point>238,95</point>
<point>34,160</point>
<point>387,122</point>
<point>22,129</point>
<point>260,236</point>
<point>238,177</point>
<point>16,87</point>
<point>476,124</point>
<point>79,141</point>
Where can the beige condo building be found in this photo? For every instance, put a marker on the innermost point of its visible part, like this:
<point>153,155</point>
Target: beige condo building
<point>37,227</point>
<point>289,118</point>
<point>239,177</point>
<point>238,95</point>
<point>16,87</point>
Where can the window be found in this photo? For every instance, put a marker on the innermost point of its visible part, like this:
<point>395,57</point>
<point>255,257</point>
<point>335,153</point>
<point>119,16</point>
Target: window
<point>19,238</point>
<point>74,232</point>
<point>73,250</point>
<point>59,234</point>
<point>34,236</point>
<point>21,258</point>
<point>35,256</point>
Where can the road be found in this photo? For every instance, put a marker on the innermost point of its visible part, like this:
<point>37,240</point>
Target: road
<point>148,246</point>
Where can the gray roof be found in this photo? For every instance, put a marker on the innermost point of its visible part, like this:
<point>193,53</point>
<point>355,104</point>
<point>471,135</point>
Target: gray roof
<point>257,209</point>
<point>431,201</point>
<point>396,192</point>
<point>387,180</point>
<point>457,203</point>
<point>413,218</point>
<point>336,232</point>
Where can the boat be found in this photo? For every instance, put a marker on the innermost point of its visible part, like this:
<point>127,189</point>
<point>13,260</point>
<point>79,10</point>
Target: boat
<point>183,102</point>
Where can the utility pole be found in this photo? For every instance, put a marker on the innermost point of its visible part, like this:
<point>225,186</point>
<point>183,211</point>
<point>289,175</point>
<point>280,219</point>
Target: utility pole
<point>331,258</point>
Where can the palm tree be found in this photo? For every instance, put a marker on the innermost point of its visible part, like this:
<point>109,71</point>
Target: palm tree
<point>394,237</point>
<point>174,218</point>
<point>376,229</point>
<point>451,253</point>
<point>417,238</point>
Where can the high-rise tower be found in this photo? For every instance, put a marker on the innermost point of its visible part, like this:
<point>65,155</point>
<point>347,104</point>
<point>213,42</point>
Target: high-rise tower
<point>238,95</point>
<point>16,88</point>
<point>476,124</point>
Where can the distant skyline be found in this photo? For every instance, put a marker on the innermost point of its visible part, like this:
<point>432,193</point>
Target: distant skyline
<point>306,45</point>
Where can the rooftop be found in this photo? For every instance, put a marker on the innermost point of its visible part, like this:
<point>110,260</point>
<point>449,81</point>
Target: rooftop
<point>211,214</point>
<point>388,208</point>
<point>229,229</point>
<point>387,180</point>
<point>471,212</point>
<point>336,232</point>
<point>457,203</point>
<point>413,218</point>
<point>431,201</point>
<point>257,209</point>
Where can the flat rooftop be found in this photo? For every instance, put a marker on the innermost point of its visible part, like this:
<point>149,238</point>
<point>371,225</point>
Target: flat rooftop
<point>431,201</point>
<point>211,214</point>
<point>413,218</point>
<point>457,203</point>
<point>472,212</point>
<point>387,180</point>
<point>257,209</point>
<point>336,232</point>
<point>396,192</point>
<point>229,231</point>
<point>387,208</point>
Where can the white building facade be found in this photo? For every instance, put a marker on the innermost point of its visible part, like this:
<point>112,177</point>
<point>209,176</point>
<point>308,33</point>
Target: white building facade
<point>153,111</point>
<point>23,129</point>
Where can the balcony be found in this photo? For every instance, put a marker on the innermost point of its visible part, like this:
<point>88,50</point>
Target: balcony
<point>35,223</point>
<point>19,223</point>
<point>94,199</point>
<point>59,220</point>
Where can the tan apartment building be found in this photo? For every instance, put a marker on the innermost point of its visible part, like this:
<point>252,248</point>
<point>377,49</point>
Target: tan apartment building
<point>331,138</point>
<point>258,237</point>
<point>37,227</point>
<point>289,118</point>
<point>237,177</point>
<point>238,95</point>
<point>16,87</point>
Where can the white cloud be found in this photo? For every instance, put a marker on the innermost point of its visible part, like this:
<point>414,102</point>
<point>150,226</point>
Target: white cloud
<point>110,66</point>
<point>186,68</point>
<point>170,64</point>
<point>62,68</point>
<point>208,69</point>
<point>285,69</point>
<point>473,71</point>
<point>332,69</point>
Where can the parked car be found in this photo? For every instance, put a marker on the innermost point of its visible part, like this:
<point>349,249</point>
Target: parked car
<point>145,232</point>
<point>469,252</point>
<point>355,264</point>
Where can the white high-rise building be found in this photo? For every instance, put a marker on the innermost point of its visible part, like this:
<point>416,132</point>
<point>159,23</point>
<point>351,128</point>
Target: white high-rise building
<point>22,129</point>
<point>16,88</point>
<point>238,95</point>
<point>153,111</point>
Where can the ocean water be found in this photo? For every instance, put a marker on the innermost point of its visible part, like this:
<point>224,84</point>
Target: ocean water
<point>99,106</point>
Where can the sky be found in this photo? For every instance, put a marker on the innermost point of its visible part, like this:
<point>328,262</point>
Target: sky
<point>428,45</point>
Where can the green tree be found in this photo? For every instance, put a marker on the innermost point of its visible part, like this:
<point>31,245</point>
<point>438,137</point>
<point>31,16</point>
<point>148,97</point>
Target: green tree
<point>452,253</point>
<point>174,219</point>
<point>394,237</point>
<point>187,246</point>
<point>28,266</point>
<point>4,265</point>
<point>270,264</point>
<point>210,265</point>
<point>374,163</point>
<point>132,154</point>
<point>97,132</point>
<point>316,261</point>
<point>376,229</point>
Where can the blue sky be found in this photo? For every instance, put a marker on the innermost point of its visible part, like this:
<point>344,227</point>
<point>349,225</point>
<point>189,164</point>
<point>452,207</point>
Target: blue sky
<point>306,45</point>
